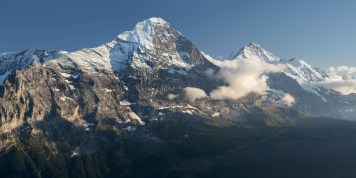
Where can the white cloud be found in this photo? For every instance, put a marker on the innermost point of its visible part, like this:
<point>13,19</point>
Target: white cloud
<point>341,70</point>
<point>341,79</point>
<point>288,100</point>
<point>242,77</point>
<point>345,87</point>
<point>194,93</point>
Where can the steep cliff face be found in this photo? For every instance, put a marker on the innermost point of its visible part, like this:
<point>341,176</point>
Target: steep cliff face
<point>10,62</point>
<point>118,86</point>
<point>41,93</point>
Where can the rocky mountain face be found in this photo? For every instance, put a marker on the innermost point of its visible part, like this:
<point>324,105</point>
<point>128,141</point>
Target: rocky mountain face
<point>131,94</point>
<point>19,61</point>
<point>130,78</point>
<point>120,86</point>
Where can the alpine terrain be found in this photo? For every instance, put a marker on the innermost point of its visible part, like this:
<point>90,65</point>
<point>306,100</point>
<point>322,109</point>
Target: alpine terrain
<point>150,104</point>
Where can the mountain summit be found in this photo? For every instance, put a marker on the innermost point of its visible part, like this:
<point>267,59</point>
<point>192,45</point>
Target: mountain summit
<point>255,52</point>
<point>297,69</point>
<point>153,44</point>
<point>145,32</point>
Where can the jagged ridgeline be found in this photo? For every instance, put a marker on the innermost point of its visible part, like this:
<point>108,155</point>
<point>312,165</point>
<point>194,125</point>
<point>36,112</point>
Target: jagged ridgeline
<point>146,105</point>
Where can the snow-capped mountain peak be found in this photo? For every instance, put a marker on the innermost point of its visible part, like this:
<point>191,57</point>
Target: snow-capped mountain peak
<point>298,69</point>
<point>144,32</point>
<point>153,44</point>
<point>256,52</point>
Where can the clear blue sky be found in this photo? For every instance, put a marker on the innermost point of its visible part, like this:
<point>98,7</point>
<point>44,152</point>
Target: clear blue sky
<point>323,32</point>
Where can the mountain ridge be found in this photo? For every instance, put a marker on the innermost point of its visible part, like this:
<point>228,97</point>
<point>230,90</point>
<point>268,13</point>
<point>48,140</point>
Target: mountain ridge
<point>154,105</point>
<point>164,60</point>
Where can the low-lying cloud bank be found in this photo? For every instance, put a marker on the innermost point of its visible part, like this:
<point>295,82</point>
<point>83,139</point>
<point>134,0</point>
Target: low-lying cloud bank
<point>242,77</point>
<point>341,70</point>
<point>341,79</point>
<point>345,87</point>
